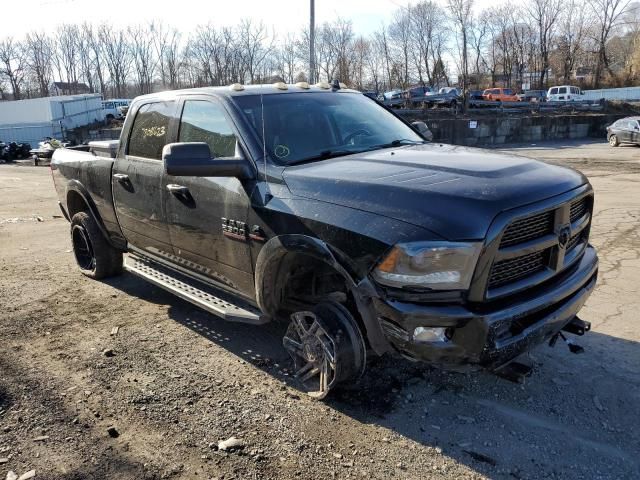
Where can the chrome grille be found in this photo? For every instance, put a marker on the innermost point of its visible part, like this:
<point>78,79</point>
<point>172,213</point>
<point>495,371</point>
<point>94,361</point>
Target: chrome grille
<point>528,228</point>
<point>578,209</point>
<point>513,269</point>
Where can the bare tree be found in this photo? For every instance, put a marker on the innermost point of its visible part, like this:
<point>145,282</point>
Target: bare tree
<point>12,65</point>
<point>477,38</point>
<point>141,44</point>
<point>339,38</point>
<point>400,35</point>
<point>39,54</point>
<point>96,49</point>
<point>66,54</point>
<point>543,14</point>
<point>461,12</point>
<point>254,50</point>
<point>173,58</point>
<point>607,15</point>
<point>118,57</point>
<point>287,59</point>
<point>427,23</point>
<point>571,36</point>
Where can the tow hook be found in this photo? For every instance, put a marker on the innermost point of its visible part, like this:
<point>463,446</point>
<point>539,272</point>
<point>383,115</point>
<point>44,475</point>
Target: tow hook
<point>577,327</point>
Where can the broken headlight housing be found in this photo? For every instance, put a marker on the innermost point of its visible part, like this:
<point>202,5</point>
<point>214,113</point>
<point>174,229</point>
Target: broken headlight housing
<point>432,265</point>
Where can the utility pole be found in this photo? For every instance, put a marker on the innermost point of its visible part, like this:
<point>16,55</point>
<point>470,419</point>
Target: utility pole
<point>312,42</point>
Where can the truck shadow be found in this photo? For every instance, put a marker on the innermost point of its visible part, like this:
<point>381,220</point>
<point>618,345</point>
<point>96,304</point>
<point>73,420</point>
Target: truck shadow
<point>576,416</point>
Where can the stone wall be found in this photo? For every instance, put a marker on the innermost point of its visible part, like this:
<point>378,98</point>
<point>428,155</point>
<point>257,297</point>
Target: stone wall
<point>511,129</point>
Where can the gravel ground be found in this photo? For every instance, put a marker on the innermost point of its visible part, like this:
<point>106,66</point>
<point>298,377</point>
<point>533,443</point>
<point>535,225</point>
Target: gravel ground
<point>121,380</point>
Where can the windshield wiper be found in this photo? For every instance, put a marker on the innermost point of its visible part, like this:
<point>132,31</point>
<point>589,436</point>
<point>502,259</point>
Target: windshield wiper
<point>398,142</point>
<point>325,155</point>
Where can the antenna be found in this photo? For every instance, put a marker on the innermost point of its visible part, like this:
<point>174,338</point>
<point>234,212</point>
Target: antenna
<point>267,193</point>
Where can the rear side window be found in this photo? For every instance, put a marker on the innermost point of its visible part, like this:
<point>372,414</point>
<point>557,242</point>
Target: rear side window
<point>204,121</point>
<point>563,89</point>
<point>150,131</point>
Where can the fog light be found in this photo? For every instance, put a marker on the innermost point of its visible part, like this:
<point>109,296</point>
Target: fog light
<point>427,334</point>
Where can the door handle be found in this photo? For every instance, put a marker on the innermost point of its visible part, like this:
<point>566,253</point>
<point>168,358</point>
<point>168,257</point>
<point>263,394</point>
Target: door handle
<point>121,177</point>
<point>177,189</point>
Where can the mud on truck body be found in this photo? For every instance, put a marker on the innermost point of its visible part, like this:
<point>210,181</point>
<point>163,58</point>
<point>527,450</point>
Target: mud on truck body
<point>316,206</point>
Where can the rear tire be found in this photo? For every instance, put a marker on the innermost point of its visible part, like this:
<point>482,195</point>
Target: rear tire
<point>327,348</point>
<point>95,257</point>
<point>613,141</point>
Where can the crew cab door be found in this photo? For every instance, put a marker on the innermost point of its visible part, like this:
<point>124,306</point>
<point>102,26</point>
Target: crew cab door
<point>207,215</point>
<point>137,176</point>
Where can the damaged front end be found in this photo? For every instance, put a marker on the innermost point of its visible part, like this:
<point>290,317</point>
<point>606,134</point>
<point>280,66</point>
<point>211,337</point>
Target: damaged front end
<point>534,273</point>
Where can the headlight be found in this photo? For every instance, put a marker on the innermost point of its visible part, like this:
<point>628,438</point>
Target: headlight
<point>435,265</point>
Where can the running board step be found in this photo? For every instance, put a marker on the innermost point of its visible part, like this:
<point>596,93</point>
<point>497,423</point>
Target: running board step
<point>212,300</point>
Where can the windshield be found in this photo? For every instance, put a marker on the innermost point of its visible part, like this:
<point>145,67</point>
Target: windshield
<point>309,126</point>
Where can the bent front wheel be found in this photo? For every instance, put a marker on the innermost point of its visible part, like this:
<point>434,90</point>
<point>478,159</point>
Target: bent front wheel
<point>326,346</point>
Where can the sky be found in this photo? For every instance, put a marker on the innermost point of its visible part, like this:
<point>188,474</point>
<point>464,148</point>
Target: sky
<point>283,15</point>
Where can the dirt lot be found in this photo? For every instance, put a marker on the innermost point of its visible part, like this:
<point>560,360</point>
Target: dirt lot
<point>179,380</point>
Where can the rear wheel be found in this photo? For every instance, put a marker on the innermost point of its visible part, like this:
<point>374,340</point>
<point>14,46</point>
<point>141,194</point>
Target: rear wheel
<point>94,255</point>
<point>326,346</point>
<point>613,141</point>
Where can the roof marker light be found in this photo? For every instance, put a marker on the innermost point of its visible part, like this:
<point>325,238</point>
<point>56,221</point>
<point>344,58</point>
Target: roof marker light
<point>281,86</point>
<point>304,85</point>
<point>237,87</point>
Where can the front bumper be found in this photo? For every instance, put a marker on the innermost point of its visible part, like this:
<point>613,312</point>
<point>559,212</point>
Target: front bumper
<point>494,334</point>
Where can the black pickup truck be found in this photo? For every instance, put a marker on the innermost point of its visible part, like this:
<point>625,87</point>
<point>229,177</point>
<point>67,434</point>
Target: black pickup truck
<point>318,206</point>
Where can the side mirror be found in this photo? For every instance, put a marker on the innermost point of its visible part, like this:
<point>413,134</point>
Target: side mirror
<point>423,130</point>
<point>194,159</point>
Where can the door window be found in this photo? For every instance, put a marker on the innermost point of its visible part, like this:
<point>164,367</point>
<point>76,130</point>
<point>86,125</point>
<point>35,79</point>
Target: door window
<point>554,91</point>
<point>563,90</point>
<point>204,121</point>
<point>150,131</point>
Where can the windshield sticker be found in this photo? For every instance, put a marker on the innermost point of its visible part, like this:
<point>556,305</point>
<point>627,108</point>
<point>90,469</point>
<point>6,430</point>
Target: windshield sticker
<point>154,131</point>
<point>282,151</point>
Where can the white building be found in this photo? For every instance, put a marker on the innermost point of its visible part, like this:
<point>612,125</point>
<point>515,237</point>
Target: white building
<point>32,120</point>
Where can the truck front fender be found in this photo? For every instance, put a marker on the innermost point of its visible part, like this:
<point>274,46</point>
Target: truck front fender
<point>268,275</point>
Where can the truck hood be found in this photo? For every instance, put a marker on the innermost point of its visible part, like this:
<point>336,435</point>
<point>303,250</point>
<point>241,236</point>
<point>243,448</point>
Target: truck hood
<point>455,192</point>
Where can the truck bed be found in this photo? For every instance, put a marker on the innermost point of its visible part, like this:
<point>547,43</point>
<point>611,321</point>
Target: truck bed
<point>86,174</point>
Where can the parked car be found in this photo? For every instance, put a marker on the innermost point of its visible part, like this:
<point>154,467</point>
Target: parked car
<point>564,93</point>
<point>416,92</point>
<point>392,98</point>
<point>625,130</point>
<point>476,95</point>
<point>533,96</point>
<point>446,96</point>
<point>392,95</point>
<point>319,208</point>
<point>500,95</point>
<point>112,108</point>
